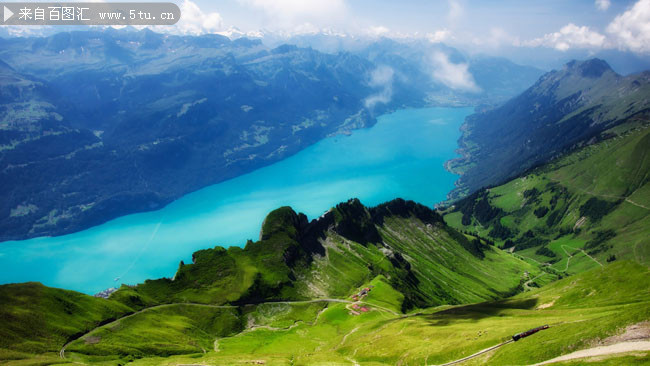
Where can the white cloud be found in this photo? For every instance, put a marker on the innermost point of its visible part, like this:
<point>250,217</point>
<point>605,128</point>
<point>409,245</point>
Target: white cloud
<point>378,31</point>
<point>287,14</point>
<point>439,36</point>
<point>570,36</point>
<point>381,77</point>
<point>195,21</point>
<point>455,76</point>
<point>628,31</point>
<point>631,29</point>
<point>603,4</point>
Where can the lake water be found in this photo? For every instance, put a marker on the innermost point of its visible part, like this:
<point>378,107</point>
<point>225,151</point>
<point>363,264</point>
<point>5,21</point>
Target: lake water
<point>401,156</point>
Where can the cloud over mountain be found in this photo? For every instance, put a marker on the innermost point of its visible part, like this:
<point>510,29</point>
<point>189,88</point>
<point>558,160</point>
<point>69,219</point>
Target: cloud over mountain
<point>570,36</point>
<point>195,21</point>
<point>631,29</point>
<point>455,76</point>
<point>291,14</point>
<point>381,77</point>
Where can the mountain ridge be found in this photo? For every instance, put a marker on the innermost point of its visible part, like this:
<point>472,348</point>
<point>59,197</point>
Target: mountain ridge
<point>294,257</point>
<point>563,109</point>
<point>123,329</point>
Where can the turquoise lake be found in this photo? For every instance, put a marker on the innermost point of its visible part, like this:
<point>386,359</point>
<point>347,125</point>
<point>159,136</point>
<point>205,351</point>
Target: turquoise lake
<point>401,156</point>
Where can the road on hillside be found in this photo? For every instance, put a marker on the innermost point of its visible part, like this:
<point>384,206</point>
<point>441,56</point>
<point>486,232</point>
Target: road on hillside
<point>621,347</point>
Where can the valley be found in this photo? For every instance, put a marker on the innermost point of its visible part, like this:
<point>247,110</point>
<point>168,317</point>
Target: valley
<point>293,296</point>
<point>322,198</point>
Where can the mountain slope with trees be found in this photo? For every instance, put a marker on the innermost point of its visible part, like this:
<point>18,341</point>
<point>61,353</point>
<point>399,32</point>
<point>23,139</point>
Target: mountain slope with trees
<point>588,207</point>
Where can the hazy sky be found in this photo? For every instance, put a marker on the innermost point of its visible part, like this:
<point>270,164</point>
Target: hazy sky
<point>528,18</point>
<point>559,24</point>
<point>476,25</point>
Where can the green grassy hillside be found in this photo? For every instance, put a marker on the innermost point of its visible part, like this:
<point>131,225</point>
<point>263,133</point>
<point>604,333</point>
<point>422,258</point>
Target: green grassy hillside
<point>428,285</point>
<point>403,250</point>
<point>585,209</point>
<point>39,319</point>
<point>583,311</point>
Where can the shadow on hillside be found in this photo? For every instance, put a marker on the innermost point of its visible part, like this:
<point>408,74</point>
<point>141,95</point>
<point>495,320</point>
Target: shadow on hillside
<point>476,312</point>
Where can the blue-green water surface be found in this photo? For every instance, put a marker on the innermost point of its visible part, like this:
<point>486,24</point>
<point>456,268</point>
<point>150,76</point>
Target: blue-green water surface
<point>401,156</point>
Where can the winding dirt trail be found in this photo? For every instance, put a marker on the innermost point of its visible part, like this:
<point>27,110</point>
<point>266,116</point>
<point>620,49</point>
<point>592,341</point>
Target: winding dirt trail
<point>583,252</point>
<point>622,347</point>
<point>527,283</point>
<point>635,338</point>
<point>568,259</point>
<point>636,204</point>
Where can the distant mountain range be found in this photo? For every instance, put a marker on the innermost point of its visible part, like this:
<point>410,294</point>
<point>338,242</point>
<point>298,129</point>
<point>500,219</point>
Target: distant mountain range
<point>99,124</point>
<point>559,174</point>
